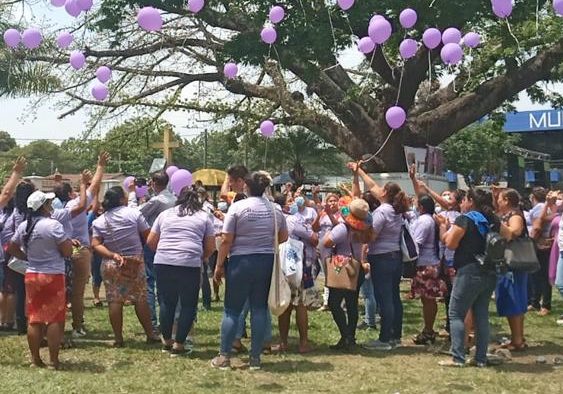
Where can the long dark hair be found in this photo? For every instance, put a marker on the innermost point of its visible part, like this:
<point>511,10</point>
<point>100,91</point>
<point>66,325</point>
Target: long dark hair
<point>429,206</point>
<point>257,182</point>
<point>23,191</point>
<point>112,198</point>
<point>483,202</point>
<point>32,218</point>
<point>63,191</point>
<point>188,202</point>
<point>396,197</point>
<point>513,198</point>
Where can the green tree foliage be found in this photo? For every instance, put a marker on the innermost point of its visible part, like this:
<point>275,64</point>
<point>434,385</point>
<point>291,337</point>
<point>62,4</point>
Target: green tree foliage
<point>6,141</point>
<point>478,150</point>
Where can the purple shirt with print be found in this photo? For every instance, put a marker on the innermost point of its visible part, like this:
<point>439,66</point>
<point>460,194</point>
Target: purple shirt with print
<point>120,229</point>
<point>11,225</point>
<point>64,217</point>
<point>387,225</point>
<point>181,237</point>
<point>424,234</point>
<point>343,242</point>
<point>252,222</point>
<point>42,248</point>
<point>80,222</point>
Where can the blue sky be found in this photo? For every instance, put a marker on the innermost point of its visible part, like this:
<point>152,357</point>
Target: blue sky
<point>26,120</point>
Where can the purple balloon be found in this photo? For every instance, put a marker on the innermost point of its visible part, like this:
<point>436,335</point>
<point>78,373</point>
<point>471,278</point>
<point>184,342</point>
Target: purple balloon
<point>103,73</point>
<point>12,38</point>
<point>408,18</point>
<point>408,48</point>
<point>375,17</point>
<point>77,60</point>
<point>432,38</point>
<point>230,70</point>
<point>277,14</point>
<point>196,5</point>
<point>127,181</point>
<point>502,8</point>
<point>32,38</point>
<point>141,191</point>
<point>558,7</point>
<point>345,4</point>
<point>472,40</point>
<point>267,128</point>
<point>269,35</point>
<point>149,19</point>
<point>380,30</point>
<point>179,180</point>
<point>58,3</point>
<point>451,53</point>
<point>171,170</point>
<point>451,36</point>
<point>366,45</point>
<point>85,5</point>
<point>64,39</point>
<point>100,91</point>
<point>72,8</point>
<point>395,117</point>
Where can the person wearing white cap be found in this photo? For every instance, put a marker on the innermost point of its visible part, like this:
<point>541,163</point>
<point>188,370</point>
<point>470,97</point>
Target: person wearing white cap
<point>42,242</point>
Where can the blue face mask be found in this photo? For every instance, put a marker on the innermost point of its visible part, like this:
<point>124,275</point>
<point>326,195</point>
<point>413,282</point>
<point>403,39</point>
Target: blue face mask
<point>293,209</point>
<point>300,201</point>
<point>223,206</point>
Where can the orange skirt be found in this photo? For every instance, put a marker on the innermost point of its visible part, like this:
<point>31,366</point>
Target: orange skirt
<point>45,298</point>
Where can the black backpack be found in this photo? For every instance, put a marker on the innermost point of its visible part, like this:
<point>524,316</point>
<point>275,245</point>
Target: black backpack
<point>495,247</point>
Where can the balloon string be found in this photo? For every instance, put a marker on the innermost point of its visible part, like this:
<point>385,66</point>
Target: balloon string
<point>379,150</point>
<point>364,85</point>
<point>432,4</point>
<point>304,13</point>
<point>537,16</point>
<point>266,154</point>
<point>512,34</point>
<point>429,74</point>
<point>386,61</point>
<point>349,25</point>
<point>469,74</point>
<point>331,27</point>
<point>279,59</point>
<point>451,71</point>
<point>400,84</point>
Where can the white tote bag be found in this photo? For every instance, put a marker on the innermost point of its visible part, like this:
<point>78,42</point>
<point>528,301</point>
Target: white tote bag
<point>279,297</point>
<point>20,266</point>
<point>291,260</point>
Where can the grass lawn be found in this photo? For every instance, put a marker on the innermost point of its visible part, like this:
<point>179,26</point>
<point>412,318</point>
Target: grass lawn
<point>95,367</point>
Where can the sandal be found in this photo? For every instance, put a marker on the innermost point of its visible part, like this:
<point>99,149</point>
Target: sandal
<point>98,304</point>
<point>513,347</point>
<point>240,349</point>
<point>279,348</point>
<point>424,338</point>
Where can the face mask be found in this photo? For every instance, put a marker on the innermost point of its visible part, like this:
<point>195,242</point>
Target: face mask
<point>438,210</point>
<point>559,203</point>
<point>300,201</point>
<point>223,206</point>
<point>293,209</point>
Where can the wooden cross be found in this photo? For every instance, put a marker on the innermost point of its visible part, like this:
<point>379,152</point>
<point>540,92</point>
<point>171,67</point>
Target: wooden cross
<point>167,145</point>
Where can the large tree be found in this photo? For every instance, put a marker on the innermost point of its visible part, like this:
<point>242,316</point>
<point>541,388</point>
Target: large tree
<point>300,81</point>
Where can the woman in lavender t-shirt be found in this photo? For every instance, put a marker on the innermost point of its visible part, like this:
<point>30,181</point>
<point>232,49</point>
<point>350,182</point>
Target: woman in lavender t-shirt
<point>118,236</point>
<point>182,237</point>
<point>248,237</point>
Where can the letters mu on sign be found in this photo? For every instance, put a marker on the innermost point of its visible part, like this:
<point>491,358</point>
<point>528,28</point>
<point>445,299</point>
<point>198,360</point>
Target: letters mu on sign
<point>530,121</point>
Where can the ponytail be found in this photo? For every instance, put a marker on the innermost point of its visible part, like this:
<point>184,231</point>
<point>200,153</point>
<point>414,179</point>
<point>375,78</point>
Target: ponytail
<point>396,197</point>
<point>188,202</point>
<point>32,218</point>
<point>483,202</point>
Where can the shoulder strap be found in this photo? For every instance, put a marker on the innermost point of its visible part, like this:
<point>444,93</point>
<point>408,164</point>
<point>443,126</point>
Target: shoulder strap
<point>30,232</point>
<point>276,239</point>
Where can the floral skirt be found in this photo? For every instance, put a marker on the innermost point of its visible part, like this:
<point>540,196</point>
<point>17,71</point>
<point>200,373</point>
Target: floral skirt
<point>45,298</point>
<point>427,283</point>
<point>309,297</point>
<point>125,283</point>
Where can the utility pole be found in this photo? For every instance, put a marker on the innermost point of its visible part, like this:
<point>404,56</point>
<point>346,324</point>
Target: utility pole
<point>205,148</point>
<point>167,145</point>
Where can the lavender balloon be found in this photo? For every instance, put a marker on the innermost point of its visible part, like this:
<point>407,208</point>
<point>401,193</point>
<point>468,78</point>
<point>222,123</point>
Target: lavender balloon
<point>269,35</point>
<point>267,128</point>
<point>100,91</point>
<point>58,3</point>
<point>375,17</point>
<point>408,48</point>
<point>502,8</point>
<point>77,60</point>
<point>345,4</point>
<point>103,73</point>
<point>472,40</point>
<point>277,14</point>
<point>179,180</point>
<point>127,182</point>
<point>12,38</point>
<point>451,36</point>
<point>141,191</point>
<point>366,45</point>
<point>85,5</point>
<point>395,117</point>
<point>451,53</point>
<point>230,70</point>
<point>171,170</point>
<point>64,39</point>
<point>408,18</point>
<point>558,7</point>
<point>72,8</point>
<point>196,5</point>
<point>432,38</point>
<point>32,38</point>
<point>380,30</point>
<point>149,19</point>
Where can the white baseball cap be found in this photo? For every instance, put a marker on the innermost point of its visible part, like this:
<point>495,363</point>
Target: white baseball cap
<point>37,199</point>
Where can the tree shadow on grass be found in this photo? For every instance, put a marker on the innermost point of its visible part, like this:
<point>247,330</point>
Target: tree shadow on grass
<point>292,366</point>
<point>525,368</point>
<point>82,366</point>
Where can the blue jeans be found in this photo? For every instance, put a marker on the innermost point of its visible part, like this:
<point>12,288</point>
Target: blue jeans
<point>151,282</point>
<point>95,270</point>
<point>472,289</point>
<point>559,276</point>
<point>370,304</point>
<point>247,277</point>
<point>242,324</point>
<point>205,286</point>
<point>386,272</point>
<point>177,285</point>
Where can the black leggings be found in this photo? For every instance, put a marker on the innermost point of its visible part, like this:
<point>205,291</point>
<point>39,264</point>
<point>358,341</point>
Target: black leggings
<point>347,327</point>
<point>539,288</point>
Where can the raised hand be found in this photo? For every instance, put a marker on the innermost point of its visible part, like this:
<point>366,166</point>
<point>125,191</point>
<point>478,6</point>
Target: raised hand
<point>20,165</point>
<point>86,177</point>
<point>103,159</point>
<point>412,171</point>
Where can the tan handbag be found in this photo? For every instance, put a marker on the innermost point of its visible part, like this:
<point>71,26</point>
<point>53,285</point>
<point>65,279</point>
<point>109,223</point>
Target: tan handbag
<point>279,296</point>
<point>342,272</point>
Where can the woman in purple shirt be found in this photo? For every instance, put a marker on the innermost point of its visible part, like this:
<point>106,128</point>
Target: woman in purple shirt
<point>118,236</point>
<point>427,283</point>
<point>183,237</point>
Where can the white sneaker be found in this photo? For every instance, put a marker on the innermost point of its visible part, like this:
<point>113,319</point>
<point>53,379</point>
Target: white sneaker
<point>378,345</point>
<point>395,343</point>
<point>78,333</point>
<point>560,320</point>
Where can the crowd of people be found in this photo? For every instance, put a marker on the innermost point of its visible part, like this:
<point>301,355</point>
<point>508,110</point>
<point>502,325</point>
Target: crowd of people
<point>158,253</point>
